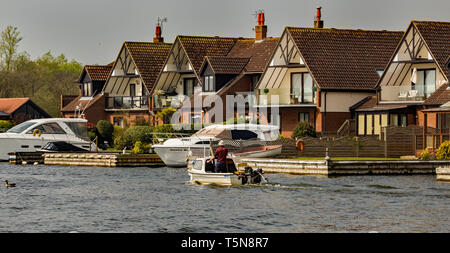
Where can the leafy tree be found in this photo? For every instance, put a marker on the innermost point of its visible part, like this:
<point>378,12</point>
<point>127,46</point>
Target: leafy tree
<point>9,41</point>
<point>106,130</point>
<point>166,114</point>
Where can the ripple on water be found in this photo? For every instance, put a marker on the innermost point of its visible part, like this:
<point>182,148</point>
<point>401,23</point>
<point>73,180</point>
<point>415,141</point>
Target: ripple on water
<point>91,199</point>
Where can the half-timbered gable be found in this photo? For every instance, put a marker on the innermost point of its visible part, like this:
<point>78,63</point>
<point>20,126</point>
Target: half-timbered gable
<point>133,75</point>
<point>415,78</point>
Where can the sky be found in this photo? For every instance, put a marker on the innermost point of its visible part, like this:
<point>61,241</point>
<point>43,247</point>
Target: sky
<point>92,31</point>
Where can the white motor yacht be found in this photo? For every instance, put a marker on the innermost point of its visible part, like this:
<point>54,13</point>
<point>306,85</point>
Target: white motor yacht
<point>32,135</point>
<point>174,152</point>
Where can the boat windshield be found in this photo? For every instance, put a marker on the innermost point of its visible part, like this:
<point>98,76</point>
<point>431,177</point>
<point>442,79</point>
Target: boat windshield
<point>80,129</point>
<point>21,127</point>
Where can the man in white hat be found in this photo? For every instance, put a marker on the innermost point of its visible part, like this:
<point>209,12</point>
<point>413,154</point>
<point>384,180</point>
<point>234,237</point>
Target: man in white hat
<point>221,156</point>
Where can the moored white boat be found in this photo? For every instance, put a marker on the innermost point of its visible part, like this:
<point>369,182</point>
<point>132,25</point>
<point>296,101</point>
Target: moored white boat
<point>32,135</point>
<point>258,152</point>
<point>202,172</point>
<point>174,152</point>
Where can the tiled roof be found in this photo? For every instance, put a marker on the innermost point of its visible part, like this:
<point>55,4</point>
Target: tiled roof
<point>10,105</point>
<point>197,47</point>
<point>226,65</point>
<point>83,103</point>
<point>370,104</point>
<point>98,72</point>
<point>259,52</point>
<point>343,58</point>
<point>439,96</point>
<point>149,58</point>
<point>437,38</point>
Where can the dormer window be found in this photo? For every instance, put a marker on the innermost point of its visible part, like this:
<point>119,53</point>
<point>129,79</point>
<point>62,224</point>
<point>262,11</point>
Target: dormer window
<point>86,90</point>
<point>208,82</point>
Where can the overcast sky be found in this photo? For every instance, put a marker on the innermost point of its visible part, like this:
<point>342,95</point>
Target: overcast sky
<point>92,31</point>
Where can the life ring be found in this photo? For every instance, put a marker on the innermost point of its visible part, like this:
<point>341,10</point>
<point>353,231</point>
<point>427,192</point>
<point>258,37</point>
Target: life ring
<point>38,132</point>
<point>300,145</point>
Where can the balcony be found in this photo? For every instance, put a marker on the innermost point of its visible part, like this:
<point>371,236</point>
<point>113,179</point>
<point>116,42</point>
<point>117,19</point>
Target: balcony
<point>406,92</point>
<point>127,103</point>
<point>283,96</point>
<point>161,101</point>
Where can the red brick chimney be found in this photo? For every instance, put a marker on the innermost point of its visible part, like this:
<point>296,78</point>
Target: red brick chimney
<point>318,23</point>
<point>261,28</point>
<point>158,38</point>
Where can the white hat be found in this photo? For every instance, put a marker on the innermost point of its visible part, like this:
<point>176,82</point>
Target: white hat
<point>221,143</point>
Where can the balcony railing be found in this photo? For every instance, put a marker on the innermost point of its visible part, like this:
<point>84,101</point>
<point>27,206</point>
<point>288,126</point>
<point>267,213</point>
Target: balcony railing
<point>282,96</point>
<point>406,92</point>
<point>140,102</point>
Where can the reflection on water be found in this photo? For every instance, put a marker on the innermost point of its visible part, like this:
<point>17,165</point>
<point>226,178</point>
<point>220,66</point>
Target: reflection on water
<point>92,199</point>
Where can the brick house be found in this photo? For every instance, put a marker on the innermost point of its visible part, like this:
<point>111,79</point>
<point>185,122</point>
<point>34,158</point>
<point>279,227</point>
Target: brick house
<point>316,74</point>
<point>19,110</point>
<point>414,83</point>
<point>413,89</point>
<point>200,66</point>
<point>90,103</point>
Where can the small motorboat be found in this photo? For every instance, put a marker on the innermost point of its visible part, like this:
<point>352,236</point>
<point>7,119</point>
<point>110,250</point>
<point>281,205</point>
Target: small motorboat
<point>202,172</point>
<point>258,152</point>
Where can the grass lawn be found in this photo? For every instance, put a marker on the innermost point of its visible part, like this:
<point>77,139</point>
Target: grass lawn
<point>350,158</point>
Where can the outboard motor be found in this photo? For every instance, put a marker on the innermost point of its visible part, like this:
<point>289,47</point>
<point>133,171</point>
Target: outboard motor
<point>251,176</point>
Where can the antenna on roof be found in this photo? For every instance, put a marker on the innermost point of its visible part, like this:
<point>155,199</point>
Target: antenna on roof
<point>158,32</point>
<point>161,21</point>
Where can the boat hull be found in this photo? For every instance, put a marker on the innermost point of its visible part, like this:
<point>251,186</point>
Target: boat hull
<point>260,154</point>
<point>225,179</point>
<point>173,156</point>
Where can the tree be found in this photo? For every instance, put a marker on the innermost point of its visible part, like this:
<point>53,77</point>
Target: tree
<point>303,129</point>
<point>166,114</point>
<point>9,41</point>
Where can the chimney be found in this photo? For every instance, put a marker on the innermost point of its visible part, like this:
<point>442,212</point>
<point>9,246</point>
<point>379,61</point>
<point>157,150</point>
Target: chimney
<point>158,32</point>
<point>318,23</point>
<point>158,38</point>
<point>261,28</point>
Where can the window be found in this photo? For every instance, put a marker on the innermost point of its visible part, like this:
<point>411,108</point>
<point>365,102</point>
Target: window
<point>188,87</point>
<point>49,128</point>
<point>243,135</point>
<point>21,127</point>
<point>426,82</point>
<point>209,83</point>
<point>86,90</point>
<point>302,88</point>
<point>399,120</point>
<point>118,121</point>
<point>303,117</point>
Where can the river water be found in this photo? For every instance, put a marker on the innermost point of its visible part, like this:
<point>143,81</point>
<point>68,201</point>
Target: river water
<point>92,199</point>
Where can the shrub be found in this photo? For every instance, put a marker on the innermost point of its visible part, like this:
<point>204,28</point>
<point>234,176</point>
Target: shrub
<point>443,152</point>
<point>141,122</point>
<point>425,155</point>
<point>106,130</point>
<point>135,134</point>
<point>118,136</point>
<point>303,129</point>
<point>140,148</point>
<point>5,125</point>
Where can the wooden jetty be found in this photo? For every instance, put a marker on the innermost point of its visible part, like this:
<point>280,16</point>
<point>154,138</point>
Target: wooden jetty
<point>26,157</point>
<point>103,159</point>
<point>443,173</point>
<point>342,168</point>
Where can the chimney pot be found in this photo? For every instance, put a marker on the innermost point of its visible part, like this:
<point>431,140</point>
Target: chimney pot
<point>261,28</point>
<point>318,22</point>
<point>158,37</point>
